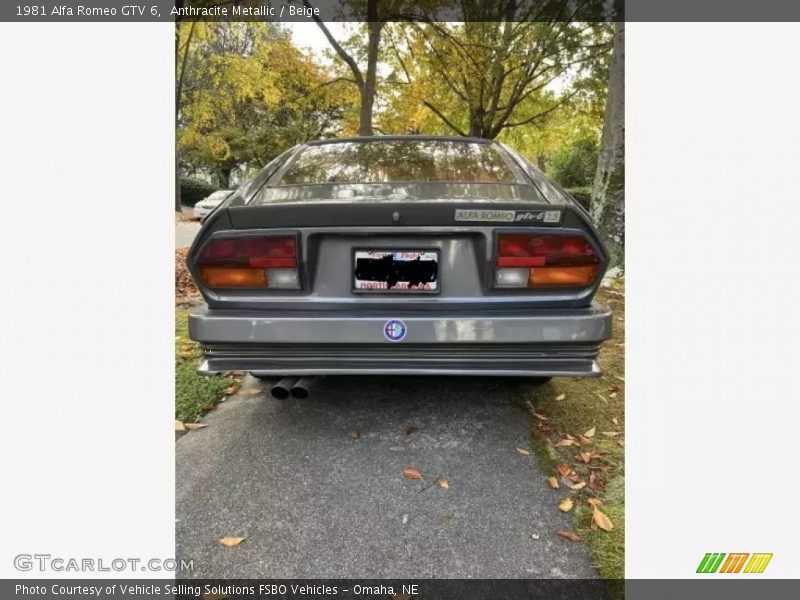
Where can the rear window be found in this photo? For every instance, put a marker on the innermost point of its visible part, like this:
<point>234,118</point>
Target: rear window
<point>399,161</point>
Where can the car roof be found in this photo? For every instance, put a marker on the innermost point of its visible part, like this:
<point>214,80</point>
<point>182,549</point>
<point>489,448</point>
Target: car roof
<point>401,138</point>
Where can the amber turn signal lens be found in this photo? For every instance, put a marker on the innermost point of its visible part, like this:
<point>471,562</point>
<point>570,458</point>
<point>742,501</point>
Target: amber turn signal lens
<point>558,276</point>
<point>234,277</point>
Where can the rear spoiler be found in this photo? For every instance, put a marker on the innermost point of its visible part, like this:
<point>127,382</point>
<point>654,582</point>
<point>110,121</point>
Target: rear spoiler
<point>402,214</point>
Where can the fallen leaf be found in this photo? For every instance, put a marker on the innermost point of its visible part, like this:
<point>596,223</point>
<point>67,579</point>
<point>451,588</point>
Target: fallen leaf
<point>255,391</point>
<point>584,457</point>
<point>545,429</point>
<point>354,434</point>
<point>589,432</point>
<point>610,433</point>
<point>620,442</point>
<point>553,482</point>
<point>613,387</point>
<point>561,396</point>
<point>566,442</point>
<point>578,486</point>
<point>614,420</point>
<point>540,417</point>
<point>194,426</point>
<point>569,534</point>
<point>612,395</point>
<point>412,473</point>
<point>563,469</point>
<point>179,426</point>
<point>231,390</point>
<point>443,483</point>
<point>410,429</point>
<point>569,437</point>
<point>185,354</point>
<point>574,478</point>
<point>565,505</point>
<point>231,541</point>
<point>534,536</point>
<point>523,451</point>
<point>594,502</point>
<point>601,520</point>
<point>584,440</point>
<point>595,482</point>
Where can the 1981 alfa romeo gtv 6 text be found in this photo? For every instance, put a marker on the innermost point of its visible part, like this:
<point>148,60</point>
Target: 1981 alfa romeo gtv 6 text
<point>399,255</point>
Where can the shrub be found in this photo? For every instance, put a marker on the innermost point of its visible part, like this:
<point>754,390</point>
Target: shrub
<point>194,190</point>
<point>574,164</point>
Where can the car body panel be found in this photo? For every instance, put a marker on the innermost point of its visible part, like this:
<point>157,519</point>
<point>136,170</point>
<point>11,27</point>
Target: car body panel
<point>466,326</point>
<point>544,342</point>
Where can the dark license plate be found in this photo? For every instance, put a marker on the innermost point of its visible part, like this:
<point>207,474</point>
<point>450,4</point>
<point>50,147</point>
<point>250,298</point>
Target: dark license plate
<point>396,270</point>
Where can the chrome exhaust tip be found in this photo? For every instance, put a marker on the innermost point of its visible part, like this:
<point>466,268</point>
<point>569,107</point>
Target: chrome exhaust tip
<point>282,389</point>
<point>302,388</point>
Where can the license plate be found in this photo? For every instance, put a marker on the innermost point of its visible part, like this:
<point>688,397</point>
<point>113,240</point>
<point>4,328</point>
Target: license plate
<point>396,271</point>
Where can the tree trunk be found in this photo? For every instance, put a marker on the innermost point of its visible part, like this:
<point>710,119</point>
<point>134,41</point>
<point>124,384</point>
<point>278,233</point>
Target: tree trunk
<point>177,97</point>
<point>224,176</point>
<point>368,89</point>
<point>179,94</point>
<point>476,123</point>
<point>608,192</point>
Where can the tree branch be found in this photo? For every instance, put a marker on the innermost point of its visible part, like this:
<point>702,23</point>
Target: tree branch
<point>539,115</point>
<point>343,54</point>
<point>447,122</point>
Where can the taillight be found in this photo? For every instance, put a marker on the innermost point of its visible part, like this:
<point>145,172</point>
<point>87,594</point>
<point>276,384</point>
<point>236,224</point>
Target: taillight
<point>250,262</point>
<point>544,261</point>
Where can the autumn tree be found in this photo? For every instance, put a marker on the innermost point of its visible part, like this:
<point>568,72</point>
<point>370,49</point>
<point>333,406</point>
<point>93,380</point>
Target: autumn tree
<point>248,94</point>
<point>375,14</point>
<point>496,70</point>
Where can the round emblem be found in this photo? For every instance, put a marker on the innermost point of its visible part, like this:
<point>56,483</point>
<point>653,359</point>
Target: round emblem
<point>394,330</point>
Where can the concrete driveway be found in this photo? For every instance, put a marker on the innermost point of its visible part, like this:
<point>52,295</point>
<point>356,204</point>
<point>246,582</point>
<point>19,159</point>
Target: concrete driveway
<point>185,231</point>
<point>314,499</point>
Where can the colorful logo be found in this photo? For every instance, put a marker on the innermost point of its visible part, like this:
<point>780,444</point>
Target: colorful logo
<point>394,330</point>
<point>734,563</point>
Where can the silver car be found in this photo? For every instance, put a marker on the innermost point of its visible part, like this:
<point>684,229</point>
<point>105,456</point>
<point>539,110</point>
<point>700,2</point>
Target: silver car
<point>403,255</point>
<point>207,205</point>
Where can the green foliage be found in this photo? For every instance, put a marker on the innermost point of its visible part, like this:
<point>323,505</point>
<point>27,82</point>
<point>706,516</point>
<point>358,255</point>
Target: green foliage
<point>248,94</point>
<point>574,164</point>
<point>193,190</point>
<point>193,391</point>
<point>483,78</point>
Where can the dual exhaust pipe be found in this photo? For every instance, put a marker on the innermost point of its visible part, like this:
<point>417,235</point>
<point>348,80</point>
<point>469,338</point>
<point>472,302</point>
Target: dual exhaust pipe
<point>297,388</point>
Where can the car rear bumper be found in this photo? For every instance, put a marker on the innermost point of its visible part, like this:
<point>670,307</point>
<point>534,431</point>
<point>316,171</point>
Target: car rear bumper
<point>533,343</point>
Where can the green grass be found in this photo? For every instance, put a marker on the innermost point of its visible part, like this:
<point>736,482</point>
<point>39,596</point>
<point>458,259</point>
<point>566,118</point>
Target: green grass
<point>194,394</point>
<point>589,403</point>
